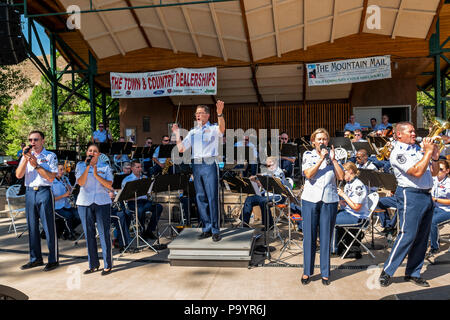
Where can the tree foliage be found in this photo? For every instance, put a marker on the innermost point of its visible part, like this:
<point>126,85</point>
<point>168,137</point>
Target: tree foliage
<point>36,114</point>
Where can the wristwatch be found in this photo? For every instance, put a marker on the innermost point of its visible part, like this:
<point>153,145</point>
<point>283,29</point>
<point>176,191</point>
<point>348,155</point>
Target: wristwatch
<point>220,115</point>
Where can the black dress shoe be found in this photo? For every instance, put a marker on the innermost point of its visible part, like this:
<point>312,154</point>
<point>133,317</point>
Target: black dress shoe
<point>325,282</point>
<point>306,281</point>
<point>205,235</point>
<point>419,281</point>
<point>216,237</point>
<point>150,235</point>
<point>105,272</point>
<point>385,279</point>
<point>51,265</point>
<point>30,265</point>
<point>88,271</point>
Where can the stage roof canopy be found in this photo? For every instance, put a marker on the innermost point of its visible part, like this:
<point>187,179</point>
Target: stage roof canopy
<point>259,46</point>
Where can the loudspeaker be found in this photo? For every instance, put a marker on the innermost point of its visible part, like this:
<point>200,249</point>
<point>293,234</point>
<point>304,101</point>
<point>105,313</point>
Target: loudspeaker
<point>12,41</point>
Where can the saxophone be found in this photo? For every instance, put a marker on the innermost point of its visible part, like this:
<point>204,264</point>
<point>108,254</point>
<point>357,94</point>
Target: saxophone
<point>167,165</point>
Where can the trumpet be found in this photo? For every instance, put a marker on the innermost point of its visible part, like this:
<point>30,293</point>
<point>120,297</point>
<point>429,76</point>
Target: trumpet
<point>385,152</point>
<point>438,127</point>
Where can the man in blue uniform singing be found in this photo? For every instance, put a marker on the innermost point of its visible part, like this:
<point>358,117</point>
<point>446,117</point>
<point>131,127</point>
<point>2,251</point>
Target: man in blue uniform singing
<point>204,139</point>
<point>413,169</point>
<point>39,167</point>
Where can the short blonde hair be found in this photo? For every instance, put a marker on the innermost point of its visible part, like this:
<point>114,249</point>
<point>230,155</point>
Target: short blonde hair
<point>320,130</point>
<point>272,158</point>
<point>352,167</point>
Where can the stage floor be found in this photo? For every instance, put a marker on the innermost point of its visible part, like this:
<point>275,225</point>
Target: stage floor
<point>149,275</point>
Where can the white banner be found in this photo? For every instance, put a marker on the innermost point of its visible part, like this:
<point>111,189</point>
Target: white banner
<point>349,71</point>
<point>174,82</point>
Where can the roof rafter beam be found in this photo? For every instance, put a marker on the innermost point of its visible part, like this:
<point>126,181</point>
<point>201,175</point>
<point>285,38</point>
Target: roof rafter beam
<point>250,54</point>
<point>109,29</point>
<point>162,19</point>
<point>103,34</point>
<point>394,29</point>
<point>363,16</point>
<point>305,45</point>
<point>138,22</point>
<point>335,15</point>
<point>433,23</point>
<point>218,31</point>
<point>188,21</point>
<point>275,27</point>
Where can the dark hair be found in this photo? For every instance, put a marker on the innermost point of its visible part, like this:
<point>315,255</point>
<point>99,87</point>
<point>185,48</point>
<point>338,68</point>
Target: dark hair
<point>165,136</point>
<point>149,138</point>
<point>445,163</point>
<point>92,144</point>
<point>39,132</point>
<point>134,162</point>
<point>373,119</point>
<point>206,108</point>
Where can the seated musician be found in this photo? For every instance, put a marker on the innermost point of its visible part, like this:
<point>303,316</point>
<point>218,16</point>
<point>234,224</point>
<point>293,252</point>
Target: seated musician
<point>143,203</point>
<point>61,190</point>
<point>362,160</point>
<point>147,162</point>
<point>373,124</point>
<point>272,170</point>
<point>384,125</point>
<point>352,125</point>
<point>348,134</point>
<point>354,206</point>
<point>358,136</point>
<point>119,159</point>
<point>126,168</point>
<point>287,163</point>
<point>441,198</point>
<point>101,135</point>
<point>123,223</point>
<point>159,162</point>
<point>252,168</point>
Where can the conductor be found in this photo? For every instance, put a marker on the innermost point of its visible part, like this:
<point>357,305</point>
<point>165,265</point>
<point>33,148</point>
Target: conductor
<point>204,139</point>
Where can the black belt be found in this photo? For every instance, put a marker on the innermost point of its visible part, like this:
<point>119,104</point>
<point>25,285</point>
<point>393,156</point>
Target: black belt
<point>38,188</point>
<point>426,191</point>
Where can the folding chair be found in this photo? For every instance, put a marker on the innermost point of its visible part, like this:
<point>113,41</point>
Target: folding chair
<point>361,227</point>
<point>440,226</point>
<point>16,205</point>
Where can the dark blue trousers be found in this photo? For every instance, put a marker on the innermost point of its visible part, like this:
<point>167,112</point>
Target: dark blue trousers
<point>260,201</point>
<point>39,205</point>
<point>439,216</point>
<point>71,217</point>
<point>288,166</point>
<point>143,207</point>
<point>323,216</point>
<point>384,203</point>
<point>122,222</point>
<point>100,214</point>
<point>207,195</point>
<point>415,212</point>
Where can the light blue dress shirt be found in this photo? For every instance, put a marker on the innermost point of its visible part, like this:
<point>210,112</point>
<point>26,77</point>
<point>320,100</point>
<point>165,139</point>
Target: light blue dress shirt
<point>383,126</point>
<point>156,155</point>
<point>100,135</point>
<point>321,187</point>
<point>46,160</point>
<point>58,189</point>
<point>352,127</point>
<point>204,141</point>
<point>93,191</point>
<point>403,157</point>
<point>441,190</point>
<point>357,192</point>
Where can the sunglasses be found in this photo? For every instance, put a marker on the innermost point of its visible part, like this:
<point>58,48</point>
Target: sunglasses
<point>166,140</point>
<point>33,139</point>
<point>442,169</point>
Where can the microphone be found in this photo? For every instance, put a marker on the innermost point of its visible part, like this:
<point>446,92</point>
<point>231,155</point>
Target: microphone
<point>327,156</point>
<point>88,160</point>
<point>27,149</point>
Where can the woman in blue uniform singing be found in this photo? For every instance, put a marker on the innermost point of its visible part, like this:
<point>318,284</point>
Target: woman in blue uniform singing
<point>94,206</point>
<point>319,203</point>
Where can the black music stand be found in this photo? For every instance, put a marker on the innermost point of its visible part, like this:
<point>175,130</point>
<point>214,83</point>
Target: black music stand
<point>375,179</point>
<point>289,150</point>
<point>341,142</point>
<point>188,188</point>
<point>165,151</point>
<point>270,185</point>
<point>240,185</point>
<point>117,180</point>
<point>364,145</point>
<point>138,152</point>
<point>135,189</point>
<point>168,183</point>
<point>104,147</point>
